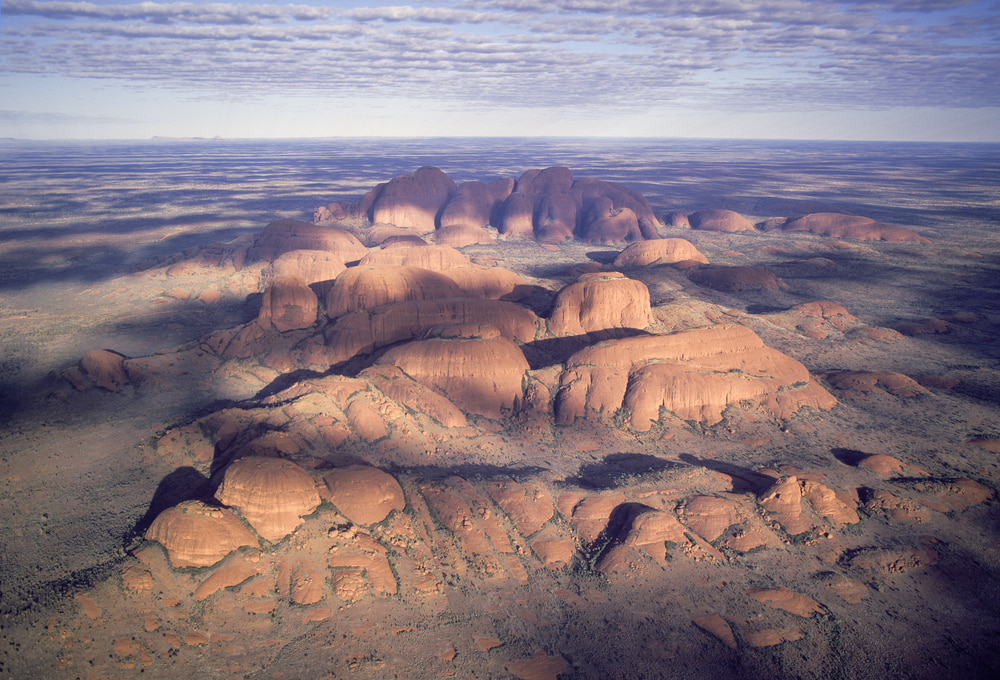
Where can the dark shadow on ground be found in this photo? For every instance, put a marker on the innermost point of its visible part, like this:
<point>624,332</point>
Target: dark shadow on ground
<point>619,469</point>
<point>743,479</point>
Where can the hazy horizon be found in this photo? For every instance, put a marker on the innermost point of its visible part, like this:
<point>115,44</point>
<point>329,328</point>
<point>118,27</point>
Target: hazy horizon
<point>912,70</point>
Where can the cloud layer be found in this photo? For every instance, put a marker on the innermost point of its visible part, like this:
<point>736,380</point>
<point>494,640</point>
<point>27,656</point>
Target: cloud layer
<point>718,54</point>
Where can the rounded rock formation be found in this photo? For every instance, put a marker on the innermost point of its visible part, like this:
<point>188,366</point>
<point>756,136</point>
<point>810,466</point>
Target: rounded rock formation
<point>694,374</point>
<point>438,258</point>
<point>272,493</point>
<point>478,369</point>
<point>312,266</point>
<point>717,219</point>
<point>598,302</point>
<point>364,494</point>
<point>659,251</point>
<point>288,304</point>
<point>283,236</point>
<point>198,535</point>
<point>837,225</point>
<point>364,288</point>
<point>413,200</point>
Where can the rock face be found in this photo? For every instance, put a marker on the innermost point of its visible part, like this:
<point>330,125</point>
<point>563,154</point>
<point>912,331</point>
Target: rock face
<point>479,370</point>
<point>105,368</point>
<point>659,251</point>
<point>438,258</point>
<point>599,302</point>
<point>198,535</point>
<point>837,225</point>
<point>283,236</point>
<point>365,288</point>
<point>272,493</point>
<point>413,200</point>
<point>473,204</point>
<point>362,332</point>
<point>288,304</point>
<point>549,206</point>
<point>312,266</point>
<point>364,494</point>
<point>719,220</point>
<point>694,374</point>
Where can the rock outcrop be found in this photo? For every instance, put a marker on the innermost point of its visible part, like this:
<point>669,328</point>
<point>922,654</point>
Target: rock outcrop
<point>284,236</point>
<point>198,535</point>
<point>717,219</point>
<point>659,251</point>
<point>694,374</point>
<point>479,369</point>
<point>273,494</point>
<point>598,302</point>
<point>837,225</point>
<point>413,200</point>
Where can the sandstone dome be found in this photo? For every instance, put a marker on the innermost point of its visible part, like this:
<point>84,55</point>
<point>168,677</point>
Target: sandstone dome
<point>288,304</point>
<point>838,225</point>
<point>312,266</point>
<point>600,301</point>
<point>105,368</point>
<point>272,493</point>
<point>437,258</point>
<point>363,332</point>
<point>364,494</point>
<point>716,219</point>
<point>474,365</point>
<point>694,374</point>
<point>458,235</point>
<point>474,203</point>
<point>198,535</point>
<point>550,206</point>
<point>869,381</point>
<point>412,200</point>
<point>659,251</point>
<point>364,288</point>
<point>282,236</point>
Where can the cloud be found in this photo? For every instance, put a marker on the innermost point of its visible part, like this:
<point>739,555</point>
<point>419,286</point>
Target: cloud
<point>17,117</point>
<point>732,54</point>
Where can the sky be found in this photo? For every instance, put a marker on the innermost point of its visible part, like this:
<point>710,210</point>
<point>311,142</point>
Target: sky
<point>921,70</point>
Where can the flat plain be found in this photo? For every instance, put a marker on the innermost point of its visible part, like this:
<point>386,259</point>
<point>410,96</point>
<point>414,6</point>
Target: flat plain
<point>97,243</point>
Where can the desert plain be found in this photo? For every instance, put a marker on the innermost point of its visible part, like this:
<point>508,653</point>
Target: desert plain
<point>499,409</point>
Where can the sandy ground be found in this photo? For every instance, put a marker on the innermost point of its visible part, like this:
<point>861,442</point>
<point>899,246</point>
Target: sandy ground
<point>909,590</point>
